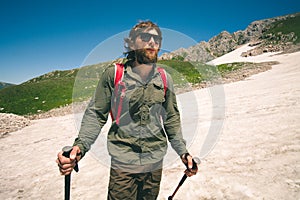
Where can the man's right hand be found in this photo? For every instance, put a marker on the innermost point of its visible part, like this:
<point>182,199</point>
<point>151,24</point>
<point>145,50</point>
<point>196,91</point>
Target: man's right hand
<point>66,165</point>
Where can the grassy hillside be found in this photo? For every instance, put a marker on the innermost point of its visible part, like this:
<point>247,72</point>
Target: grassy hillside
<point>39,96</point>
<point>60,88</point>
<point>49,91</point>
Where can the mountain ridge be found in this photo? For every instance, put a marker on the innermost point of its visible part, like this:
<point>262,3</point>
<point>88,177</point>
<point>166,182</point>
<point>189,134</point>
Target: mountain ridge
<point>5,85</point>
<point>268,35</point>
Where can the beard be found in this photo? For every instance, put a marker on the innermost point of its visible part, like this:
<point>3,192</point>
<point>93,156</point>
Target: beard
<point>146,56</point>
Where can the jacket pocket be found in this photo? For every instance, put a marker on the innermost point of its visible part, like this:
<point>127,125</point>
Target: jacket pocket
<point>154,94</point>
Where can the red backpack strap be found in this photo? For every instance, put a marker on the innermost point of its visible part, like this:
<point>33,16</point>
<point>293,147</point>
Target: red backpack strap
<point>163,75</point>
<point>119,71</point>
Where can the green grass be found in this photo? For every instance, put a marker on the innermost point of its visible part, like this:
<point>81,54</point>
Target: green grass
<point>60,88</point>
<point>229,67</point>
<point>181,71</point>
<point>30,98</point>
<point>50,91</point>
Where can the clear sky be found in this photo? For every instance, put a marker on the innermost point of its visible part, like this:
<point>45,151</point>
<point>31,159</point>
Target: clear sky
<point>40,36</point>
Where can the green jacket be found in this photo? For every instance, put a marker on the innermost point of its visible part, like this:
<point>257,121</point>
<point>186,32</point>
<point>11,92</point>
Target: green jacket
<point>139,138</point>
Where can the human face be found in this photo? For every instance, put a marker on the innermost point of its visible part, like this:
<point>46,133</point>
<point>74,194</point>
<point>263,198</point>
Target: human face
<point>146,46</point>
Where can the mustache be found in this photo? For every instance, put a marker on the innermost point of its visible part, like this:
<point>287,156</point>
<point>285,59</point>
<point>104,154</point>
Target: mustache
<point>147,49</point>
<point>144,57</point>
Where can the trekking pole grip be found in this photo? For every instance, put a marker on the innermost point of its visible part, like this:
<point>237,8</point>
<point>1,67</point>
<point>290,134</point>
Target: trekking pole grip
<point>66,153</point>
<point>196,162</point>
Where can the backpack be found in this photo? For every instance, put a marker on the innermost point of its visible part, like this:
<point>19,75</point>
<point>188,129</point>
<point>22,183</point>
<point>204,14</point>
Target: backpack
<point>119,73</point>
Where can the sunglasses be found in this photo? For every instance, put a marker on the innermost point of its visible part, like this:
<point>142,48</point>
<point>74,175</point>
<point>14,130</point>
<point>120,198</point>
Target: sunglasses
<point>145,37</point>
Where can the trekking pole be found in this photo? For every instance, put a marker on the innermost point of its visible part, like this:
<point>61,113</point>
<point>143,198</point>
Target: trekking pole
<point>196,161</point>
<point>66,152</point>
<point>177,188</point>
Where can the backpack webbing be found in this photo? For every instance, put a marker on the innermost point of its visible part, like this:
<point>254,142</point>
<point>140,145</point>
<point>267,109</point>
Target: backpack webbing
<point>119,73</point>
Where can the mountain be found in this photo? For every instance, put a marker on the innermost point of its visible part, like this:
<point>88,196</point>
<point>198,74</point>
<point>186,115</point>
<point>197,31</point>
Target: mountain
<point>267,35</point>
<point>4,85</point>
<point>61,88</point>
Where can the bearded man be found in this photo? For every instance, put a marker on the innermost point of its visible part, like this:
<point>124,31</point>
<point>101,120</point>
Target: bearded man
<point>145,118</point>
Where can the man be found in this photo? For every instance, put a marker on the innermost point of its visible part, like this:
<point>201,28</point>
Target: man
<point>145,117</point>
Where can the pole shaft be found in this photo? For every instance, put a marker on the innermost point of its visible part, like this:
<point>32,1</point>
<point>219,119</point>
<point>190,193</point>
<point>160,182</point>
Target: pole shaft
<point>67,186</point>
<point>178,186</point>
<point>66,152</point>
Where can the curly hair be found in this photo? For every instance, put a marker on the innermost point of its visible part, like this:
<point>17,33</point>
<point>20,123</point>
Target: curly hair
<point>134,32</point>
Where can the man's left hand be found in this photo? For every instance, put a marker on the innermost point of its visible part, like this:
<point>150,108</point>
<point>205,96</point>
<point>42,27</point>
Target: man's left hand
<point>190,164</point>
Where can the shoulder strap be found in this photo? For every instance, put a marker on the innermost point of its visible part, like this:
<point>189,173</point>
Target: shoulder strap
<point>119,72</point>
<point>163,75</point>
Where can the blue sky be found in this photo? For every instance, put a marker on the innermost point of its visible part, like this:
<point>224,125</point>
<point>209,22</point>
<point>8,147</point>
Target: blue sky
<point>42,36</point>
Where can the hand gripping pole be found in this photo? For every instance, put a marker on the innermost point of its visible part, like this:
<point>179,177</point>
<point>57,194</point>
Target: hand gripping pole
<point>66,152</point>
<point>196,161</point>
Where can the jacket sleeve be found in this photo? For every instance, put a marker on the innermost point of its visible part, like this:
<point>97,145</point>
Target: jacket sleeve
<point>172,123</point>
<point>96,113</point>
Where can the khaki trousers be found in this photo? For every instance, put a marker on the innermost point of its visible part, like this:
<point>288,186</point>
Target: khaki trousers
<point>134,186</point>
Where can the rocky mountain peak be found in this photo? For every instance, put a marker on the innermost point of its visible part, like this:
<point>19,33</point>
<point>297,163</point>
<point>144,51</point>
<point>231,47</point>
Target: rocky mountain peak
<point>259,33</point>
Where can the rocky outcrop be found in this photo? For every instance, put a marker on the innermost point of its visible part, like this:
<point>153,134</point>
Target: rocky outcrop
<point>274,43</point>
<point>11,122</point>
<point>256,34</point>
<point>222,44</point>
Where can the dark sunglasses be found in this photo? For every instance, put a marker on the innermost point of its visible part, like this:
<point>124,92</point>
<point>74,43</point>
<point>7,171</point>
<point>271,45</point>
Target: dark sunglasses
<point>147,36</point>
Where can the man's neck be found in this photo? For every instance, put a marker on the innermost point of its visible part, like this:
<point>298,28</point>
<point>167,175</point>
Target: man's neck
<point>143,70</point>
